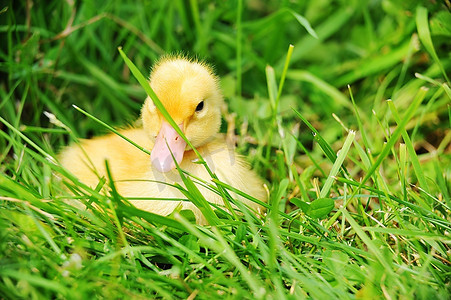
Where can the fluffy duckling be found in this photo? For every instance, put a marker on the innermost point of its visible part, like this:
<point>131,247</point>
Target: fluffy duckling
<point>190,93</point>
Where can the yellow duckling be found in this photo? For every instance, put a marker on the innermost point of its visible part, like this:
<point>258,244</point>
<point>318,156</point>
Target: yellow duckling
<point>190,93</point>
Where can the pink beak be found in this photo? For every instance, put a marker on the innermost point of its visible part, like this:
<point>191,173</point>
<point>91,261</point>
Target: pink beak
<point>168,140</point>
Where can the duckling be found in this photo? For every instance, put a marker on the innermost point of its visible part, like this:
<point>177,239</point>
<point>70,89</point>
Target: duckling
<point>190,93</point>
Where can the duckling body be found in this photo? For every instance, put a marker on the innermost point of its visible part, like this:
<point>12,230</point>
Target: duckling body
<point>190,93</point>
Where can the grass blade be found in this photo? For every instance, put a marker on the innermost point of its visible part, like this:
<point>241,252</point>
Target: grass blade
<point>323,31</point>
<point>305,23</point>
<point>337,165</point>
<point>425,37</point>
<point>327,149</point>
<point>238,46</point>
<point>272,87</point>
<point>412,154</point>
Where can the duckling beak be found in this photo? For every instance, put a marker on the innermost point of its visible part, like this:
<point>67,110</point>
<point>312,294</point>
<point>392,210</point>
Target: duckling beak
<point>168,140</point>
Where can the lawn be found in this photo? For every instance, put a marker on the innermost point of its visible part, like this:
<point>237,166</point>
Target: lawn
<point>342,107</point>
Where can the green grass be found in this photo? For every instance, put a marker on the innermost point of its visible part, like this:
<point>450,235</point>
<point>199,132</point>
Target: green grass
<point>359,186</point>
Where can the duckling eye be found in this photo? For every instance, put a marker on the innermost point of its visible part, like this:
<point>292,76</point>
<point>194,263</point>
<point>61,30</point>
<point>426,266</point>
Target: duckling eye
<point>200,106</point>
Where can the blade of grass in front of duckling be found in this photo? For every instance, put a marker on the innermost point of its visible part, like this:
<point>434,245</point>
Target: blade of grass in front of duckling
<point>143,82</point>
<point>196,197</point>
<point>110,128</point>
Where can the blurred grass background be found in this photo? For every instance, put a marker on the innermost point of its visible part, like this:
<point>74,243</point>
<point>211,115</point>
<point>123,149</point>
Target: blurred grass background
<point>57,53</point>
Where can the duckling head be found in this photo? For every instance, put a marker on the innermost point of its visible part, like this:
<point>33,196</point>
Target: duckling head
<point>190,93</point>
